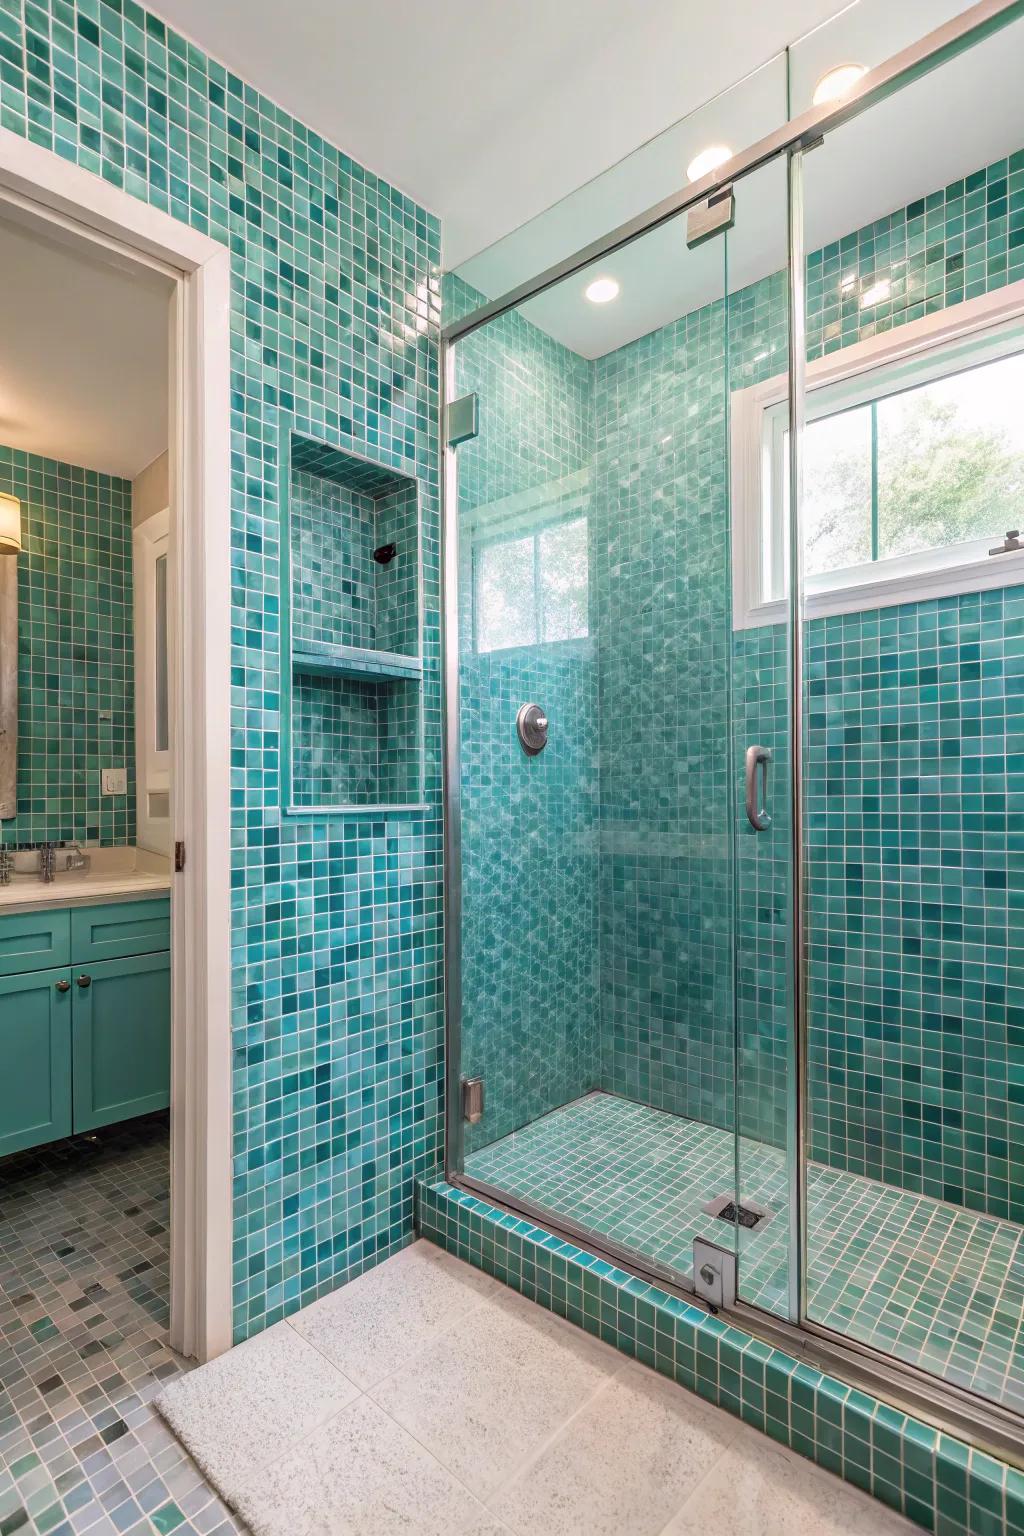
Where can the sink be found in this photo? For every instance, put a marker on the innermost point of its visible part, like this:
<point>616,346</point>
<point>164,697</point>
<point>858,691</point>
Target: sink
<point>108,873</point>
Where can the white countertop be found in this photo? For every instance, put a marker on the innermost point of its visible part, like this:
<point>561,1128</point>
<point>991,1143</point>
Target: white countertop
<point>115,874</point>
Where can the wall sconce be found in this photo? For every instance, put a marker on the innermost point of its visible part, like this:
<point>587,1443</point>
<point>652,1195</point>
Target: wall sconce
<point>10,525</point>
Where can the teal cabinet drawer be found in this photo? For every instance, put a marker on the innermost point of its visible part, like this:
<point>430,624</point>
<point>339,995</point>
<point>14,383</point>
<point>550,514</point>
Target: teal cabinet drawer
<point>121,1039</point>
<point>120,928</point>
<point>32,941</point>
<point>35,1052</point>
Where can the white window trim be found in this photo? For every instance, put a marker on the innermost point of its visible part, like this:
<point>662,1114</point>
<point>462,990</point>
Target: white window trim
<point>997,321</point>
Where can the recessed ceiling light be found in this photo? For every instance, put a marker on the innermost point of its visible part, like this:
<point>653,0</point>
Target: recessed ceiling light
<point>602,290</point>
<point>837,83</point>
<point>708,160</point>
<point>876,294</point>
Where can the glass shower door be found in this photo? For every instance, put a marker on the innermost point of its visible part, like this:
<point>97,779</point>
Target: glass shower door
<point>590,682</point>
<point>913,603</point>
<point>758,304</point>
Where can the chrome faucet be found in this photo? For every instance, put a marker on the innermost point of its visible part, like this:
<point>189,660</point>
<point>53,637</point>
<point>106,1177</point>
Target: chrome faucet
<point>47,862</point>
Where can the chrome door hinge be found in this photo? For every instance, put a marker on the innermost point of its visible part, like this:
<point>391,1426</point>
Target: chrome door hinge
<point>462,419</point>
<point>714,1274</point>
<point>472,1099</point>
<point>179,858</point>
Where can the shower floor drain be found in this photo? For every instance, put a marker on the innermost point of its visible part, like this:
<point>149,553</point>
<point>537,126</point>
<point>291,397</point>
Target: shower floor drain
<point>749,1216</point>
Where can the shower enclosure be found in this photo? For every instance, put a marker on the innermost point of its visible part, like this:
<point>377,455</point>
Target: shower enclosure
<point>734,647</point>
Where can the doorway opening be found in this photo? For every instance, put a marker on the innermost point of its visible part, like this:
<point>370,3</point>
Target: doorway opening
<point>114,841</point>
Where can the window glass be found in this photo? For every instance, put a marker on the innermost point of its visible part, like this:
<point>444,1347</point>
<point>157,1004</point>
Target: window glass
<point>931,466</point>
<point>951,459</point>
<point>564,579</point>
<point>506,604</point>
<point>837,491</point>
<point>532,590</point>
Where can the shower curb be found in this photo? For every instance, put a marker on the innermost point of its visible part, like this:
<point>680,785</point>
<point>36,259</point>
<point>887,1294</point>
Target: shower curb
<point>933,1478</point>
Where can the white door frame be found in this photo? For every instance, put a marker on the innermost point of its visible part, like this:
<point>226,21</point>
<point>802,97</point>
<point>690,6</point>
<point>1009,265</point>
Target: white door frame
<point>37,187</point>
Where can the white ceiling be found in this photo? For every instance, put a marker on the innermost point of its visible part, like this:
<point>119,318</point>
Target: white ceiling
<point>488,111</point>
<point>491,114</point>
<point>519,124</point>
<point>918,141</point>
<point>83,356</point>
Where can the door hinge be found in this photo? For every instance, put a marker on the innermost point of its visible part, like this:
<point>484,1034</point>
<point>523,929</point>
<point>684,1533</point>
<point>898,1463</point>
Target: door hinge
<point>179,857</point>
<point>472,1099</point>
<point>462,419</point>
<point>714,1274</point>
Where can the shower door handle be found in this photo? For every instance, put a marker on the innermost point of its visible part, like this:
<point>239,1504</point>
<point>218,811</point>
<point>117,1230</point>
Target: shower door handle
<point>757,815</point>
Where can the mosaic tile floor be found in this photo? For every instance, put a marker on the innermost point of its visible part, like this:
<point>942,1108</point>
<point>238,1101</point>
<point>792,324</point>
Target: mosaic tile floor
<point>83,1324</point>
<point>936,1286</point>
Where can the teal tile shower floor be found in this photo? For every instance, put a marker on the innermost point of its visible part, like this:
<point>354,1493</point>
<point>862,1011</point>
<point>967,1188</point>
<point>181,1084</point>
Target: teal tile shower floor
<point>937,1286</point>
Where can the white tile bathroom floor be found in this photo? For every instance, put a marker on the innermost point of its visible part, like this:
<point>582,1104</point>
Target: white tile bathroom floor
<point>425,1398</point>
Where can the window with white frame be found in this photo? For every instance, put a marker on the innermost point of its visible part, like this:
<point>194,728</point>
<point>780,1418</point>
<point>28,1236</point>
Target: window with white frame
<point>530,588</point>
<point>913,464</point>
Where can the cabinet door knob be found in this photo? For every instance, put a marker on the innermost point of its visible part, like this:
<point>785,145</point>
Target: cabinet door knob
<point>63,986</point>
<point>84,981</point>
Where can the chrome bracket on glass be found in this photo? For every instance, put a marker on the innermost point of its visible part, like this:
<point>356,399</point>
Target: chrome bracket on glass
<point>757,810</point>
<point>532,728</point>
<point>472,1099</point>
<point>714,1273</point>
<point>708,219</point>
<point>462,419</point>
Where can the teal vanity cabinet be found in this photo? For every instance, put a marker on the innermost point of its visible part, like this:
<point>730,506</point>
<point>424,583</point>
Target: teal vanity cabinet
<point>35,1059</point>
<point>85,1018</point>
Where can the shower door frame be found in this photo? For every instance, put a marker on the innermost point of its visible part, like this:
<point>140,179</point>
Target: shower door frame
<point>950,1407</point>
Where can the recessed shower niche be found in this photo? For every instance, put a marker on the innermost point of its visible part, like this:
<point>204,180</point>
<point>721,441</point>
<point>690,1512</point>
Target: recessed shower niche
<point>352,700</point>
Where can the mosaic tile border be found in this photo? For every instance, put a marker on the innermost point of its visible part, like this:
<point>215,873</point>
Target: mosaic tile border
<point>934,1479</point>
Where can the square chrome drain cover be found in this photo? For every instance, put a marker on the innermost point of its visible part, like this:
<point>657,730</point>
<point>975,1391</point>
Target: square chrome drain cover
<point>746,1213</point>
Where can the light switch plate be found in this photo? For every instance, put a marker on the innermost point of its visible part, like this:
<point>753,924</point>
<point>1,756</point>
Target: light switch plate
<point>114,781</point>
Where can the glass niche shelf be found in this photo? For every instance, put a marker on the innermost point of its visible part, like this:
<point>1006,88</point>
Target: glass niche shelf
<point>351,704</point>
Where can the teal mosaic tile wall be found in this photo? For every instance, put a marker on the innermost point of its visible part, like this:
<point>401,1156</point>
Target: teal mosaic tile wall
<point>661,567</point>
<point>76,659</point>
<point>915,1043</point>
<point>934,1479</point>
<point>530,1008</point>
<point>337,1029</point>
<point>916,877</point>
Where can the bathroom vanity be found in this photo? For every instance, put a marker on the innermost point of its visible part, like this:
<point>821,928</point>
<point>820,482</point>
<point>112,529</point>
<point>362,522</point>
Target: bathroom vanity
<point>84,1002</point>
